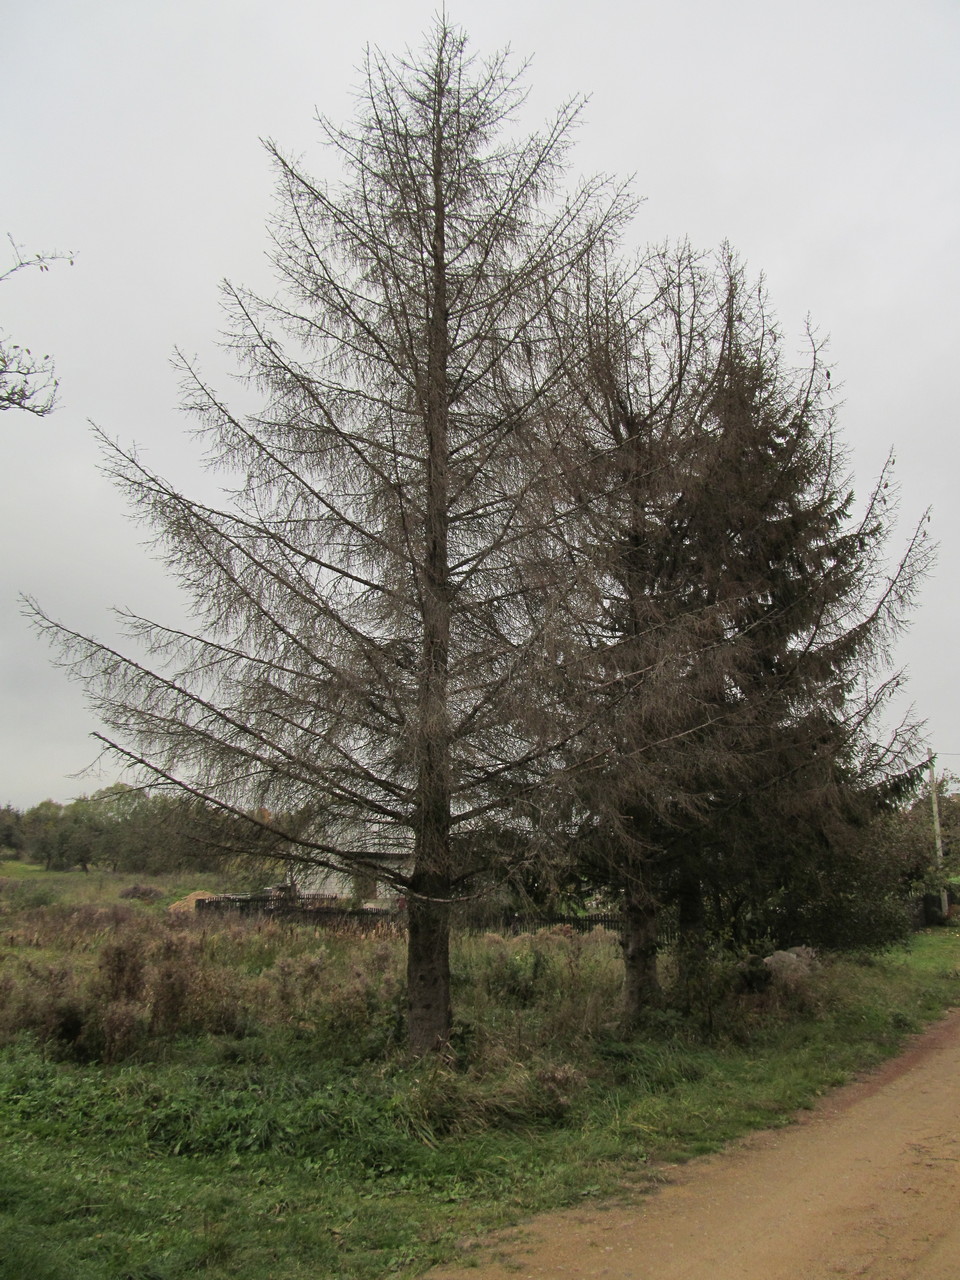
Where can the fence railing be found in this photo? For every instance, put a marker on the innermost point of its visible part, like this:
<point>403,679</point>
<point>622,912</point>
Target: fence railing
<point>320,910</point>
<point>316,907</point>
<point>323,911</point>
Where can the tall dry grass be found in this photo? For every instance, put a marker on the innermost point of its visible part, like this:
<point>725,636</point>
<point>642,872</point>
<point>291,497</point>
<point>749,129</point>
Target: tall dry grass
<point>112,982</point>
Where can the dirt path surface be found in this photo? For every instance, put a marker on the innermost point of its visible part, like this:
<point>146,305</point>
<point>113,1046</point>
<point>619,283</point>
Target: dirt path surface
<point>867,1184</point>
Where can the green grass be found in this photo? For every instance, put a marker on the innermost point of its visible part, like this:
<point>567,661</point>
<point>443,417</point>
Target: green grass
<point>296,1140</point>
<point>17,870</point>
<point>74,888</point>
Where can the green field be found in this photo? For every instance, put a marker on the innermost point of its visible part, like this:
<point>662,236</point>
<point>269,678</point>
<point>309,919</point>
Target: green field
<point>231,1098</point>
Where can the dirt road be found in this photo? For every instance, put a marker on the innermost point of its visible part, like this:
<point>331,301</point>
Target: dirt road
<point>867,1184</point>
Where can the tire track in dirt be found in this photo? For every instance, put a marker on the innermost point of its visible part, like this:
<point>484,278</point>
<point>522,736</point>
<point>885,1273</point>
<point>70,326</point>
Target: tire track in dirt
<point>867,1184</point>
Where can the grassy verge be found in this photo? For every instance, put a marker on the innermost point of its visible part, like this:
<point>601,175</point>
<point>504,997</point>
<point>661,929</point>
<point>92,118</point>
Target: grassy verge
<point>292,1139</point>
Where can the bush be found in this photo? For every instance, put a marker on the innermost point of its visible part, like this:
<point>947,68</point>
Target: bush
<point>142,893</point>
<point>20,895</point>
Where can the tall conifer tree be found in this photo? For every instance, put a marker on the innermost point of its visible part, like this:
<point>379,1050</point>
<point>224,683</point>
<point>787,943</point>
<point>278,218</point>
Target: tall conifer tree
<point>371,610</point>
<point>742,613</point>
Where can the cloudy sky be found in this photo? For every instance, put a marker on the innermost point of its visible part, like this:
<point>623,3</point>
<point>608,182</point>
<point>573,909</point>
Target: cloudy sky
<point>821,139</point>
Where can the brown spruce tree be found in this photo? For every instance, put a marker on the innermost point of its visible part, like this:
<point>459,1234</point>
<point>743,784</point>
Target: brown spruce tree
<point>735,615</point>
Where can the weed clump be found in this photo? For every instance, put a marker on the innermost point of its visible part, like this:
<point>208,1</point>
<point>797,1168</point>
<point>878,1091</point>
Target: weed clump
<point>125,984</point>
<point>142,893</point>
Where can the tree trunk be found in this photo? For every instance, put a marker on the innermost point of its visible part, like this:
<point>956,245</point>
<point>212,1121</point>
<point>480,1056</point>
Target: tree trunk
<point>428,947</point>
<point>641,983</point>
<point>691,942</point>
<point>428,975</point>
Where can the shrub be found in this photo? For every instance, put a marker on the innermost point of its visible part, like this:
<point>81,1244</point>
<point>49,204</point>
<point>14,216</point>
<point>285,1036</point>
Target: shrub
<point>142,893</point>
<point>122,971</point>
<point>20,895</point>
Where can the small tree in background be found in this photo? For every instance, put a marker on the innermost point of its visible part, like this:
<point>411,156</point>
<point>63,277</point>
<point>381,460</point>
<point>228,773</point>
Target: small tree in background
<point>11,831</point>
<point>906,837</point>
<point>134,830</point>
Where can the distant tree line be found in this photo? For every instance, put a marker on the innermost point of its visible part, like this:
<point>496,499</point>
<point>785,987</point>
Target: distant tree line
<point>542,572</point>
<point>121,828</point>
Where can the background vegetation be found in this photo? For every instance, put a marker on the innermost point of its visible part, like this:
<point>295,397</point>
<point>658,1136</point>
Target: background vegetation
<point>126,829</point>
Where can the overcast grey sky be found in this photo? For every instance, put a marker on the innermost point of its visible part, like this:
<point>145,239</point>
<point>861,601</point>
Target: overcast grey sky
<point>820,138</point>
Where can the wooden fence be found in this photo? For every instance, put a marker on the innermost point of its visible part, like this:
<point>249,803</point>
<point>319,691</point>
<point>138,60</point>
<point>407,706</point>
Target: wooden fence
<point>317,909</point>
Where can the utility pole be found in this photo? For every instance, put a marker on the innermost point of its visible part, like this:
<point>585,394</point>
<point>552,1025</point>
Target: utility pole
<point>937,837</point>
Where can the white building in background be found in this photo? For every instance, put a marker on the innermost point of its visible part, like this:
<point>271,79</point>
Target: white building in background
<point>359,885</point>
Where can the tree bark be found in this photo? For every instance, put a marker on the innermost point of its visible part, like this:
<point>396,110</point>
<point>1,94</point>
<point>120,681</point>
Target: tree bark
<point>691,939</point>
<point>428,974</point>
<point>428,960</point>
<point>641,982</point>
